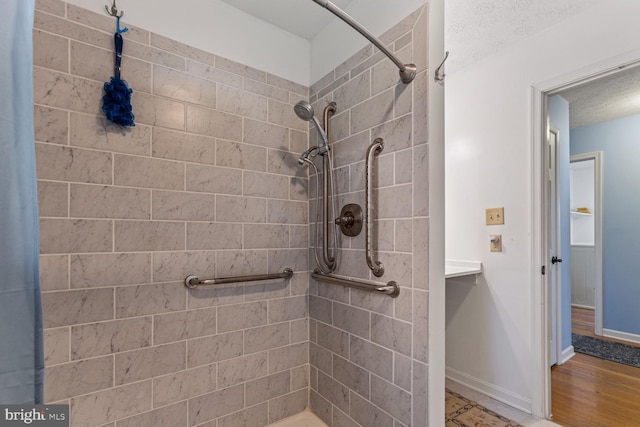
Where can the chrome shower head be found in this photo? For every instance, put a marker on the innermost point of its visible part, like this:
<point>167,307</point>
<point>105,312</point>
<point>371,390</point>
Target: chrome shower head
<point>304,110</point>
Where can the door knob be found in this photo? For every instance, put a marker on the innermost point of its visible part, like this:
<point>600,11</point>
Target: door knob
<point>555,259</point>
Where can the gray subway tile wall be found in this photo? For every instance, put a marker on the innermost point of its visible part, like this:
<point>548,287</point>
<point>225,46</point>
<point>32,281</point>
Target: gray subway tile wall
<point>206,183</point>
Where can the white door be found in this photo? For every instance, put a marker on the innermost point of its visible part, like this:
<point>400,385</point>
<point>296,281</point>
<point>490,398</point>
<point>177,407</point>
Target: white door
<point>554,257</point>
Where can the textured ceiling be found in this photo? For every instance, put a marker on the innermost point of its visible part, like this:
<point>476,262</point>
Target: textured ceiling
<point>303,18</point>
<point>608,98</point>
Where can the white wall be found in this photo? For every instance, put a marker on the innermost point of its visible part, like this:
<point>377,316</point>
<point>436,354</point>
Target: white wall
<point>583,196</point>
<point>489,164</point>
<point>216,27</point>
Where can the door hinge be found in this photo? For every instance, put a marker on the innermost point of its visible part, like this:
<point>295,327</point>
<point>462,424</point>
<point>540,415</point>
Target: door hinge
<point>543,270</point>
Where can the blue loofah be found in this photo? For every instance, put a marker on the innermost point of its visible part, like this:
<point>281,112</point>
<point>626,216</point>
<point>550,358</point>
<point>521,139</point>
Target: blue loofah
<point>116,102</point>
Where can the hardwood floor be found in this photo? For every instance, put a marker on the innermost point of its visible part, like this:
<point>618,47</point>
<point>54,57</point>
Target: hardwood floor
<point>591,392</point>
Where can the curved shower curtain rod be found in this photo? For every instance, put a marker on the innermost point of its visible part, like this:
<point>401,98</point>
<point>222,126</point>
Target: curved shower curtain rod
<point>407,71</point>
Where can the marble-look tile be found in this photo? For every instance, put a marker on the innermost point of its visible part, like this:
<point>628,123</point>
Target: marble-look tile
<point>50,51</point>
<point>354,92</point>
<point>298,236</point>
<point>384,75</point>
<point>241,263</point>
<point>333,391</point>
<point>242,316</point>
<point>420,114</point>
<point>171,205</point>
<point>184,325</point>
<point>286,309</point>
<point>151,54</point>
<point>267,90</point>
<point>421,41</point>
<point>68,92</point>
<point>237,68</point>
<point>213,235</point>
<point>242,369</point>
<point>297,141</point>
<point>398,266</point>
<point>148,173</point>
<point>101,270</point>
<point>295,259</point>
<point>214,123</point>
<point>97,201</point>
<point>149,236</point>
<point>266,337</point>
<point>72,307</point>
<point>260,236</point>
<point>402,371</point>
<point>241,156</point>
<point>73,236</point>
<point>351,375</point>
<point>354,60</point>
<point>184,385</point>
<point>390,333</point>
<point>340,419</point>
<point>56,346</point>
<point>421,176</point>
<point>183,146</point>
<point>287,405</point>
<point>54,7</point>
<point>214,405</point>
<point>215,348</point>
<point>175,266</point>
<point>421,253</point>
<point>371,357</point>
<point>76,378</point>
<point>136,365</point>
<point>284,163</point>
<point>321,407</point>
<point>214,179</point>
<point>366,414</point>
<point>53,199</point>
<point>96,339</point>
<point>98,133</point>
<point>209,72</point>
<point>404,304</point>
<point>255,416</point>
<point>420,325</point>
<point>391,399</point>
<point>149,299</point>
<point>50,125</point>
<point>396,134</point>
<point>242,103</point>
<point>258,184</point>
<point>394,202</point>
<point>240,209</point>
<point>110,405</point>
<point>63,27</point>
<point>183,87</point>
<point>54,272</point>
<point>321,309</point>
<point>282,114</point>
<point>322,83</point>
<point>321,358</point>
<point>103,22</point>
<point>352,150</point>
<point>327,91</point>
<point>287,85</point>
<point>288,357</point>
<point>61,163</point>
<point>158,111</point>
<point>97,64</point>
<point>287,212</point>
<point>351,319</point>
<point>299,377</point>
<point>333,339</point>
<point>182,49</point>
<point>169,416</point>
<point>266,134</point>
<point>371,112</point>
<point>402,41</point>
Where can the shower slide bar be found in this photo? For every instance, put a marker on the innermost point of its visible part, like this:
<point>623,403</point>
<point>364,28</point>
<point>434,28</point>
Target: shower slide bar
<point>391,288</point>
<point>374,149</point>
<point>407,71</point>
<point>193,282</point>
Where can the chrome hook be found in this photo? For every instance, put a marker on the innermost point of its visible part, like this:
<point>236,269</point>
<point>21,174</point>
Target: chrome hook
<point>114,10</point>
<point>439,74</point>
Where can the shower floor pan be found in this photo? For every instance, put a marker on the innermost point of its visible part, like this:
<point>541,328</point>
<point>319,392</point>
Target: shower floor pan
<point>302,419</point>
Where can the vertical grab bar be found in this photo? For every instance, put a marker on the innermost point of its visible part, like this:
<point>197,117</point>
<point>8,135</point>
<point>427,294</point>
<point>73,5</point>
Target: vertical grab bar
<point>374,149</point>
<point>328,213</point>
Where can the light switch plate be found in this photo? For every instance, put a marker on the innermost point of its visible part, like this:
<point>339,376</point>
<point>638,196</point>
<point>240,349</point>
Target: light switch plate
<point>495,243</point>
<point>494,216</point>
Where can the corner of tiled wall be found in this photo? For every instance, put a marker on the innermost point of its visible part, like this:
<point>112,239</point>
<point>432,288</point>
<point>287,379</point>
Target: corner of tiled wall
<point>206,183</point>
<point>369,353</point>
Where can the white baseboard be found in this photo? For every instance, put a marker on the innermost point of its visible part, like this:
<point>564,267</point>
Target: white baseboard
<point>566,354</point>
<point>625,336</point>
<point>498,393</point>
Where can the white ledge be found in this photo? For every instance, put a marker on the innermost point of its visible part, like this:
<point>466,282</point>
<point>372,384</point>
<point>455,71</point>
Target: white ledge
<point>457,268</point>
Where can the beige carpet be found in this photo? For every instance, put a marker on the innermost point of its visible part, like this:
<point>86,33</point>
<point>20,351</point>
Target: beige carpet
<point>462,412</point>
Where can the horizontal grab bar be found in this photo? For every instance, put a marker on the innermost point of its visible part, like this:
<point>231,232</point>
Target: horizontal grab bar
<point>391,288</point>
<point>193,282</point>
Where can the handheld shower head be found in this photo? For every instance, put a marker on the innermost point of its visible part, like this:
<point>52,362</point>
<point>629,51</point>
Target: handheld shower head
<point>304,110</point>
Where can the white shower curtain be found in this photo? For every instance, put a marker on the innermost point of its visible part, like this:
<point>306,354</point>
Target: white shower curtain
<point>21,358</point>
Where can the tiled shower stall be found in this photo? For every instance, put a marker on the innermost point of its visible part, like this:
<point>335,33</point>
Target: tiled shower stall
<point>208,183</point>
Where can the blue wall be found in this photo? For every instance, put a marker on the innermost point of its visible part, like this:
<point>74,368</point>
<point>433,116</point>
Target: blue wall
<point>559,116</point>
<point>619,140</point>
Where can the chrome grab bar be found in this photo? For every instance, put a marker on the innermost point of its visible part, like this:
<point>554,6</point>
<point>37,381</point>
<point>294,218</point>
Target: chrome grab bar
<point>391,288</point>
<point>374,149</point>
<point>193,282</point>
